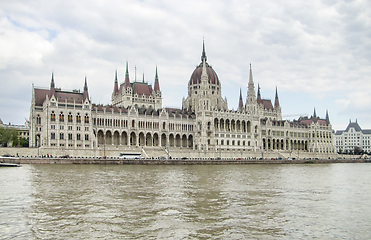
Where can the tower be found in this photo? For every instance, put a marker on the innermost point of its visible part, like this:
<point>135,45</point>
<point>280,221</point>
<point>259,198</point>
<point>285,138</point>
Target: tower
<point>250,98</point>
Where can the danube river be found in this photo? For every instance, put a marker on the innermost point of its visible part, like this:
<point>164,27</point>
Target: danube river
<point>267,201</point>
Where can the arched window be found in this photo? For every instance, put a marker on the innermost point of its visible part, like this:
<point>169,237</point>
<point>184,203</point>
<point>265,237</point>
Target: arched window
<point>70,118</point>
<point>38,119</point>
<point>86,118</point>
<point>61,117</point>
<point>52,116</point>
<point>78,118</point>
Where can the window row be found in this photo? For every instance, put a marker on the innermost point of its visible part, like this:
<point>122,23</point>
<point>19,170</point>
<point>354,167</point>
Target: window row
<point>70,117</point>
<point>69,136</point>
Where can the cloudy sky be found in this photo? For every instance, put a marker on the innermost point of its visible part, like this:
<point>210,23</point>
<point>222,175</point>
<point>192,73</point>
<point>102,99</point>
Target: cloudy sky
<point>317,53</point>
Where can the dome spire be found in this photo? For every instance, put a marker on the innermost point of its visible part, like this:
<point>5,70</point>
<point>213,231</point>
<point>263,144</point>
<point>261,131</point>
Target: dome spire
<point>203,51</point>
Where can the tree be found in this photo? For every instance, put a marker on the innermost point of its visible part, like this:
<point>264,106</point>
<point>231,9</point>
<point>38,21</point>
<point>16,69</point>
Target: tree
<point>357,150</point>
<point>8,135</point>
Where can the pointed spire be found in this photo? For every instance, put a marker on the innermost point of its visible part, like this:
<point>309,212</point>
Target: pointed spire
<point>127,80</point>
<point>327,117</point>
<point>116,84</point>
<point>52,86</point>
<point>276,101</point>
<point>314,113</point>
<point>52,81</point>
<point>259,100</point>
<point>157,84</point>
<point>86,93</point>
<point>143,78</point>
<point>203,51</point>
<point>240,103</point>
<point>251,88</point>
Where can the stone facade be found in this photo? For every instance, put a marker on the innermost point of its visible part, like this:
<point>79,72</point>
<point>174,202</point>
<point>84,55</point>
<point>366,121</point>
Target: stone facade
<point>353,136</point>
<point>204,126</point>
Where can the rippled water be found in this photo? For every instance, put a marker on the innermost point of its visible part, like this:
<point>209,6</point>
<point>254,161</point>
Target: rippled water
<point>323,201</point>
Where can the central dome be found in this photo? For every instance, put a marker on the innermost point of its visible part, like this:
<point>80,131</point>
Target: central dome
<point>196,75</point>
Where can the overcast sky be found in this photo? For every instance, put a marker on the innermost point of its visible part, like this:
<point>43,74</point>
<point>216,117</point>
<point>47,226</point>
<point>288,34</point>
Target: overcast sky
<point>317,53</point>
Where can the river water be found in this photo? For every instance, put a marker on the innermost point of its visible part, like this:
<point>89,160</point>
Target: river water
<point>323,201</point>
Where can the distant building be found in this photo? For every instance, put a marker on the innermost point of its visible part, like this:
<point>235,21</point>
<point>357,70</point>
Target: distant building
<point>203,126</point>
<point>353,136</point>
<point>23,131</point>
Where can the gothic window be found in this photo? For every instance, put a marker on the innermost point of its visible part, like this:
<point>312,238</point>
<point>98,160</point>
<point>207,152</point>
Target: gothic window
<point>70,136</point>
<point>70,119</point>
<point>86,137</point>
<point>86,118</point>
<point>61,117</point>
<point>61,136</point>
<point>78,137</point>
<point>78,118</point>
<point>52,136</point>
<point>38,119</point>
<point>52,116</point>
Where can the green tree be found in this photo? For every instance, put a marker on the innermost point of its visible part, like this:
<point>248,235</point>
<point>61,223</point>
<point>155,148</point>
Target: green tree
<point>8,135</point>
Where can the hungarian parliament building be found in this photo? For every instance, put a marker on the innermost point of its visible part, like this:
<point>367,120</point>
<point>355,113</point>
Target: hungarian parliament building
<point>67,122</point>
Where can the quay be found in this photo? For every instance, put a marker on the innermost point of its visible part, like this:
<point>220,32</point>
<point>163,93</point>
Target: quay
<point>193,161</point>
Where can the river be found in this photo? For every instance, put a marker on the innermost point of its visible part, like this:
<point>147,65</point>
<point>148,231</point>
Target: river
<point>255,201</point>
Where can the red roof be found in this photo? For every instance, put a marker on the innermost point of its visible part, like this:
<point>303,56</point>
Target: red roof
<point>267,104</point>
<point>40,96</point>
<point>196,75</point>
<point>142,88</point>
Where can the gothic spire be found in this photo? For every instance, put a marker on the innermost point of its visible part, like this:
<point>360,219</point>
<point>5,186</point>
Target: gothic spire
<point>52,81</point>
<point>203,52</point>
<point>251,87</point>
<point>240,103</point>
<point>327,117</point>
<point>127,80</point>
<point>157,85</point>
<point>314,113</point>
<point>86,93</point>
<point>116,85</point>
<point>52,86</point>
<point>276,101</point>
<point>259,100</point>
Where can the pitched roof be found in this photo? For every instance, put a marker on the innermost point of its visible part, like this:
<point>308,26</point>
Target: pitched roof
<point>142,88</point>
<point>267,104</point>
<point>61,96</point>
<point>353,125</point>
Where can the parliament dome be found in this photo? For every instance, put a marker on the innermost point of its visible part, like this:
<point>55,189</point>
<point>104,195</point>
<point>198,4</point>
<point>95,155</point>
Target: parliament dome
<point>196,75</point>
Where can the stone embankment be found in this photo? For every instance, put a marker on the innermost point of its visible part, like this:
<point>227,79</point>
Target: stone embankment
<point>195,161</point>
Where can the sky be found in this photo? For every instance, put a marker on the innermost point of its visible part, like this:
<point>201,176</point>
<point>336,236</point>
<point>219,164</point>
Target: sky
<point>317,53</point>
